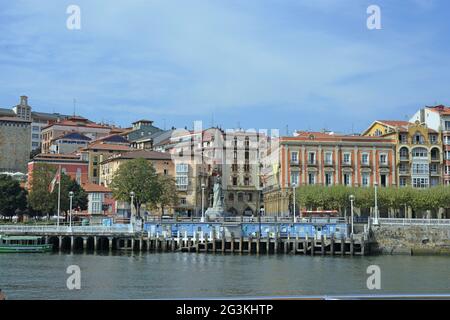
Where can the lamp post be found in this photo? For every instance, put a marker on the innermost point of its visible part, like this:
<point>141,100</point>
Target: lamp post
<point>70,210</point>
<point>294,185</point>
<point>132,194</point>
<point>352,198</point>
<point>203,203</point>
<point>375,220</point>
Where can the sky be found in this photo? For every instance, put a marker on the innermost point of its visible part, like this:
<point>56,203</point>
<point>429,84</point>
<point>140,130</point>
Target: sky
<point>261,64</point>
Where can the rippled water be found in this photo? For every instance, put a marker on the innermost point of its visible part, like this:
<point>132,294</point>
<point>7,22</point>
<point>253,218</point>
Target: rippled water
<point>191,275</point>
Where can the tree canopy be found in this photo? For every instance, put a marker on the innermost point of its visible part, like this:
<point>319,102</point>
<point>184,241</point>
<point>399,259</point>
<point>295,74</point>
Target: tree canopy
<point>138,176</point>
<point>13,198</point>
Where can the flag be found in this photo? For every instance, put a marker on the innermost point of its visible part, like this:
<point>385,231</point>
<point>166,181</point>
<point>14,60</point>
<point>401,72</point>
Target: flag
<point>55,180</point>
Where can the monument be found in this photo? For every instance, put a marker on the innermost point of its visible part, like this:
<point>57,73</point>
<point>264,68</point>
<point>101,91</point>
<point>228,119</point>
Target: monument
<point>217,206</point>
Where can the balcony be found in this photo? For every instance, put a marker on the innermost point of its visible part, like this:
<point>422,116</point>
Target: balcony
<point>404,172</point>
<point>328,163</point>
<point>346,163</point>
<point>312,163</point>
<point>365,164</point>
<point>384,165</point>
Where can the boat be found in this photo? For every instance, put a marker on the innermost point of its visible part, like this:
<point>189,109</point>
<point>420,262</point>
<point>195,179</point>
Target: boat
<point>23,244</point>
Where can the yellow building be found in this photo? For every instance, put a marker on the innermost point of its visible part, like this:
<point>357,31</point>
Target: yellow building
<point>162,163</point>
<point>419,155</point>
<point>100,150</point>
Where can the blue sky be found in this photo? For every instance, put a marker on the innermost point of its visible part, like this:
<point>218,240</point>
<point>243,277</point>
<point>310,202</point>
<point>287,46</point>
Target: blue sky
<point>307,65</point>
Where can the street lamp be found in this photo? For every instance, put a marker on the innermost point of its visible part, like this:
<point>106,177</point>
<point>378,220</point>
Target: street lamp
<point>294,185</point>
<point>352,198</point>
<point>203,205</point>
<point>70,211</point>
<point>132,194</point>
<point>375,220</point>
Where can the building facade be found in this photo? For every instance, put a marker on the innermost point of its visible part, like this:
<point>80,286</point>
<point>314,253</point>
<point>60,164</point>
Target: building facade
<point>438,119</point>
<point>101,149</point>
<point>71,164</point>
<point>418,151</point>
<point>317,158</point>
<point>15,141</point>
<point>38,119</point>
<point>77,124</point>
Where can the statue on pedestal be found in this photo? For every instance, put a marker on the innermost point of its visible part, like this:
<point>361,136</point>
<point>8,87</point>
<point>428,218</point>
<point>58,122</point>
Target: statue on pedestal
<point>217,205</point>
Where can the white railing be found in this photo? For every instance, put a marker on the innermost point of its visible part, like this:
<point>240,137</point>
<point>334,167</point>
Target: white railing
<point>18,229</point>
<point>413,222</point>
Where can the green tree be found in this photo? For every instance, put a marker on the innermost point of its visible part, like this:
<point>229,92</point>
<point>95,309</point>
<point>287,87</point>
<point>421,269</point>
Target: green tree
<point>13,198</point>
<point>138,176</point>
<point>40,199</point>
<point>80,199</point>
<point>169,195</point>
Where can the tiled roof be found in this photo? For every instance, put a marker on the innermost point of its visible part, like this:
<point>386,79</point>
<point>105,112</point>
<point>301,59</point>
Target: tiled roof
<point>109,146</point>
<point>395,123</point>
<point>146,154</point>
<point>115,138</point>
<point>78,122</point>
<point>92,187</point>
<point>74,136</point>
<point>441,109</point>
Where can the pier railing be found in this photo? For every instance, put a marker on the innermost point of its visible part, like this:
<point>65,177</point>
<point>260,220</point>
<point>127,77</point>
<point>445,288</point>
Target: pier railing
<point>96,229</point>
<point>413,222</point>
<point>265,219</point>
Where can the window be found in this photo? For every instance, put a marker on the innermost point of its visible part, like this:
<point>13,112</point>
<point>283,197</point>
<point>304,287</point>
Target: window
<point>249,197</point>
<point>433,138</point>
<point>182,168</point>
<point>294,178</point>
<point>347,179</point>
<point>404,153</point>
<point>420,153</point>
<point>434,168</point>
<point>383,180</point>
<point>418,139</point>
<point>328,178</point>
<point>246,181</point>
<point>234,167</point>
<point>420,182</point>
<point>311,158</point>
<point>378,132</point>
<point>328,158</point>
<point>35,135</point>
<point>347,158</point>
<point>403,138</point>
<point>447,155</point>
<point>447,169</point>
<point>240,196</point>
<point>447,140</point>
<point>246,167</point>
<point>231,197</point>
<point>402,181</point>
<point>403,168</point>
<point>420,168</point>
<point>365,179</point>
<point>166,172</point>
<point>383,158</point>
<point>447,125</point>
<point>311,178</point>
<point>183,201</point>
<point>294,157</point>
<point>365,158</point>
<point>181,182</point>
<point>36,128</point>
<point>235,181</point>
<point>94,173</point>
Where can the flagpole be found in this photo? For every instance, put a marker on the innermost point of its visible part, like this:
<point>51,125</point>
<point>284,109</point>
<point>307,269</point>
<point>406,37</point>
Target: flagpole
<point>59,196</point>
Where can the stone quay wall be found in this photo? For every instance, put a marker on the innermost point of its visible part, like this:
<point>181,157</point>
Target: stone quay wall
<point>410,240</point>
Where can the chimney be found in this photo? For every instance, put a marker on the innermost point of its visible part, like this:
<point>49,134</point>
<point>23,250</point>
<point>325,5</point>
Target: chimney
<point>24,101</point>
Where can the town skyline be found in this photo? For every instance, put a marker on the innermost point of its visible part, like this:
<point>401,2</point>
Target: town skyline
<point>306,65</point>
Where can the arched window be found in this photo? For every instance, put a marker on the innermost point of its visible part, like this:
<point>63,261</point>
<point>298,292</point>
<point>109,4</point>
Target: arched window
<point>418,138</point>
<point>404,154</point>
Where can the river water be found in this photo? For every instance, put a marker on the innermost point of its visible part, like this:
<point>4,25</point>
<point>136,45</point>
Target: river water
<point>192,275</point>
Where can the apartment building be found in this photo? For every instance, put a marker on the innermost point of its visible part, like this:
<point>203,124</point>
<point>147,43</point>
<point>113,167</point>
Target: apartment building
<point>437,118</point>
<point>324,158</point>
<point>77,124</point>
<point>418,151</point>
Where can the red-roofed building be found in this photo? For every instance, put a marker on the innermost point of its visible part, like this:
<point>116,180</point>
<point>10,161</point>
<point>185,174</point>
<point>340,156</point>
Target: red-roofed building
<point>100,200</point>
<point>325,158</point>
<point>73,124</point>
<point>71,165</point>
